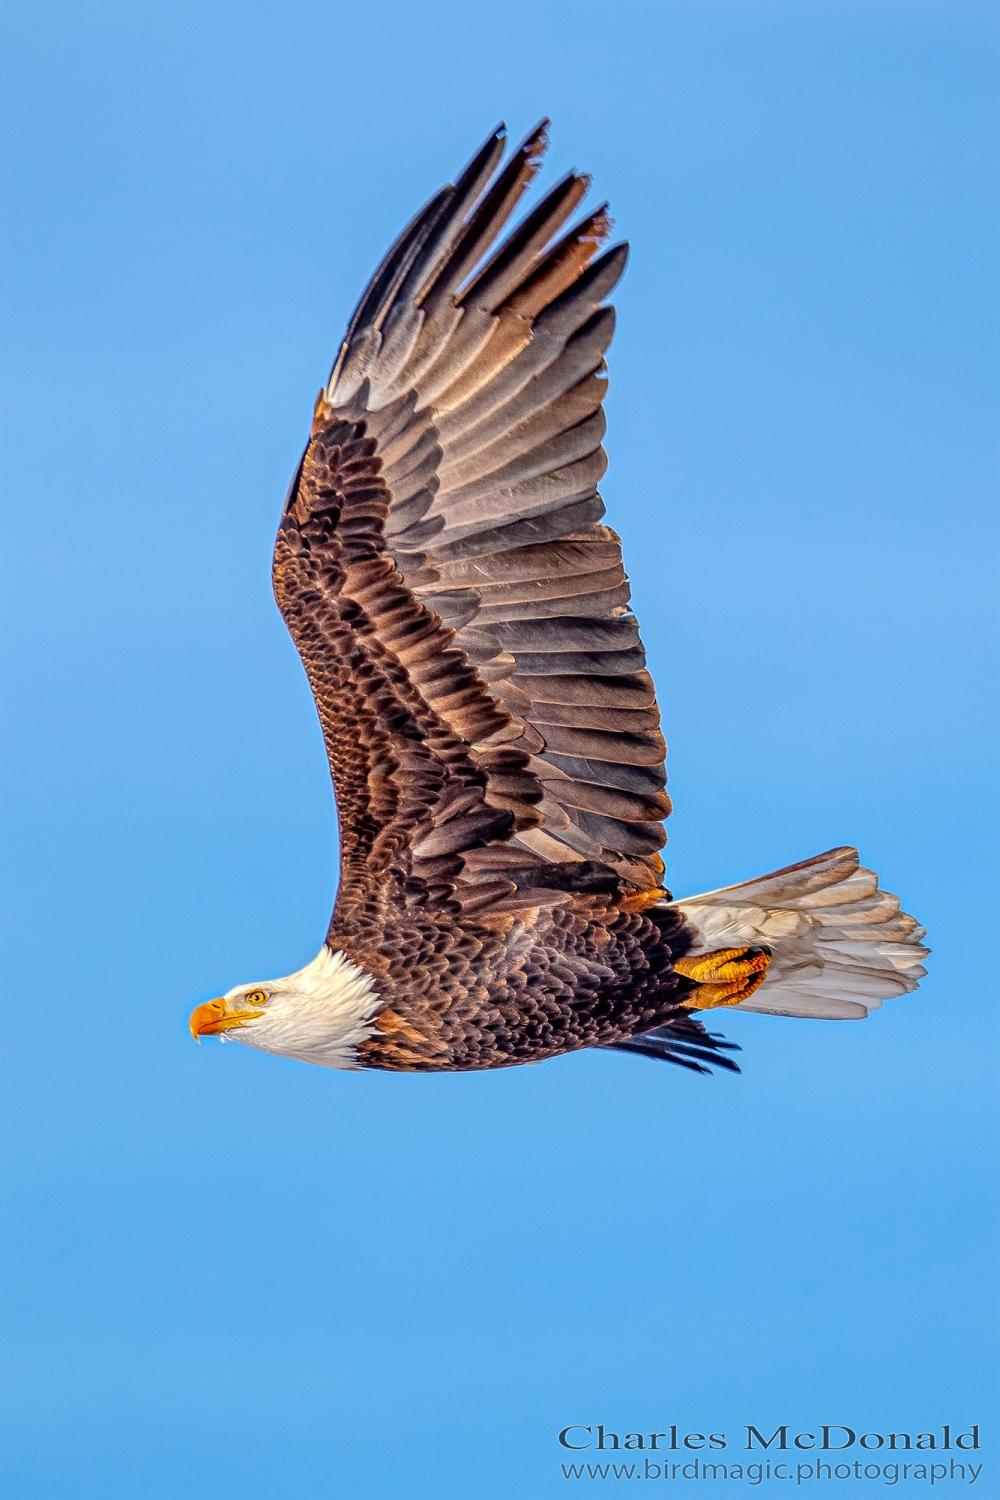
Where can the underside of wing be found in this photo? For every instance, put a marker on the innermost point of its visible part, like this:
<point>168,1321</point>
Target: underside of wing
<point>475,372</point>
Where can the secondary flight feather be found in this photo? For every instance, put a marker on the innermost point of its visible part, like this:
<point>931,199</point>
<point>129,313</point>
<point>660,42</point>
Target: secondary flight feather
<point>463,615</point>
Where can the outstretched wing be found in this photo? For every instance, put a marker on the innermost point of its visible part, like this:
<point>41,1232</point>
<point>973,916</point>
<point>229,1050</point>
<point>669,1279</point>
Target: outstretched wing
<point>461,611</point>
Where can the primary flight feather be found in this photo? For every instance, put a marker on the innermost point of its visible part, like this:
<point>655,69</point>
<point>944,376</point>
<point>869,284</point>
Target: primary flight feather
<point>463,617</point>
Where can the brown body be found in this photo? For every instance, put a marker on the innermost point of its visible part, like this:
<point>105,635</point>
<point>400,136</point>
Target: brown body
<point>488,994</point>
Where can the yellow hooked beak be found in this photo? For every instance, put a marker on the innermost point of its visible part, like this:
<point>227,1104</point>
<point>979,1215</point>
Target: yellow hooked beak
<point>212,1018</point>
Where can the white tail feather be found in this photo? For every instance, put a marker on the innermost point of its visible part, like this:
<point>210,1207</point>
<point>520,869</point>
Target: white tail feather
<point>839,946</point>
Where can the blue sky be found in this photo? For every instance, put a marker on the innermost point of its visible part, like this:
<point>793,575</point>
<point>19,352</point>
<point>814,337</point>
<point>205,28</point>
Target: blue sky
<point>229,1275</point>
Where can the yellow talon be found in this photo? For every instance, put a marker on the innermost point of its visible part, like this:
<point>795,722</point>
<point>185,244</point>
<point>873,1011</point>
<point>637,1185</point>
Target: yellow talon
<point>723,978</point>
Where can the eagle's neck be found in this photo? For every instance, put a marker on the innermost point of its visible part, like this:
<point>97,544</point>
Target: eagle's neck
<point>321,1014</point>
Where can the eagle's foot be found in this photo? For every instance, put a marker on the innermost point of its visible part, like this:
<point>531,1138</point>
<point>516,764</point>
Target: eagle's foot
<point>723,978</point>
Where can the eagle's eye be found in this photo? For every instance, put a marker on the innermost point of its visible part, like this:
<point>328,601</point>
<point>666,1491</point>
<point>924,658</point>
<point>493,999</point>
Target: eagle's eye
<point>256,997</point>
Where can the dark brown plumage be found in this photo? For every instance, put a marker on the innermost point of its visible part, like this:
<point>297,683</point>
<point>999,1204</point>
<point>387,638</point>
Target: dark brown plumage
<point>463,616</point>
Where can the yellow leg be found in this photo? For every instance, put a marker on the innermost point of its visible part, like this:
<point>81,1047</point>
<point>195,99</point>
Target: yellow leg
<point>723,978</point>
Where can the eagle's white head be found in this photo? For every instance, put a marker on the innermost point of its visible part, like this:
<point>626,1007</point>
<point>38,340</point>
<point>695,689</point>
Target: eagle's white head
<point>319,1015</point>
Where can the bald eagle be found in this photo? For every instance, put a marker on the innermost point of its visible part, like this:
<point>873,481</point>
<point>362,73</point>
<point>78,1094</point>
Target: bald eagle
<point>463,616</point>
